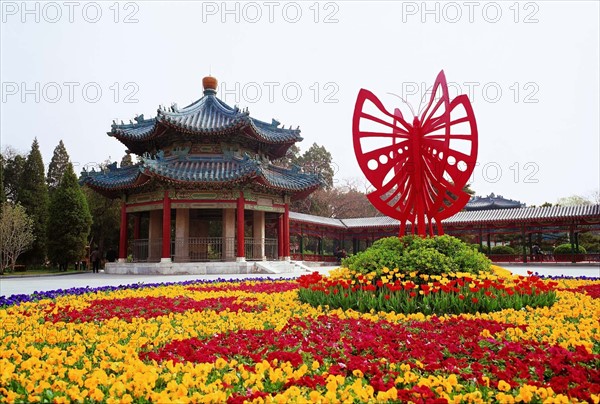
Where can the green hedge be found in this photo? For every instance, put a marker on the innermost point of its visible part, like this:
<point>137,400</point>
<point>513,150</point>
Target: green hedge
<point>566,249</point>
<point>431,256</point>
<point>503,249</point>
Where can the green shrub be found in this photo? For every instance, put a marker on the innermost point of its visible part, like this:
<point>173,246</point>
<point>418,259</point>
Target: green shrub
<point>427,261</point>
<point>566,249</point>
<point>447,245</point>
<point>373,259</point>
<point>471,258</point>
<point>503,249</point>
<point>481,248</point>
<point>429,256</point>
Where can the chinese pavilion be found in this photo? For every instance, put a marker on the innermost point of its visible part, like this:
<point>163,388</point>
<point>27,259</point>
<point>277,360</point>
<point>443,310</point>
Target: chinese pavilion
<point>205,187</point>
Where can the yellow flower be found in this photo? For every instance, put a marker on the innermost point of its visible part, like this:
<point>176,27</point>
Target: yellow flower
<point>503,386</point>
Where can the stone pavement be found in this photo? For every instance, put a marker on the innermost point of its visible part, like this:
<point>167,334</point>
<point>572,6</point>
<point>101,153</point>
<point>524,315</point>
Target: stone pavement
<point>27,285</point>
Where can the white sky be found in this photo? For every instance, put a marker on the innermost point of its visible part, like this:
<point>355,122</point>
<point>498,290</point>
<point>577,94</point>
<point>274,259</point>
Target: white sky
<point>538,138</point>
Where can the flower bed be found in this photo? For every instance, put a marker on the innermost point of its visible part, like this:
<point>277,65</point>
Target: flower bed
<point>435,294</point>
<point>256,341</point>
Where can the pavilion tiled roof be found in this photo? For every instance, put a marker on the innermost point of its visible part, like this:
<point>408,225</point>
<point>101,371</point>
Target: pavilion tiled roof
<point>318,220</point>
<point>203,170</point>
<point>115,179</point>
<point>207,116</point>
<point>288,179</point>
<point>491,202</point>
<point>482,217</point>
<point>531,214</point>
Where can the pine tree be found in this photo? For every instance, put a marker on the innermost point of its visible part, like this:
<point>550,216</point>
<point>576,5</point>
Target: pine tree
<point>106,219</point>
<point>33,195</point>
<point>317,160</point>
<point>69,222</point>
<point>13,166</point>
<point>57,167</point>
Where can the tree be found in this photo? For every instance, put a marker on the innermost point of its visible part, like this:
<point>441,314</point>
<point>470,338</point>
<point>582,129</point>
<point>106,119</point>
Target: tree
<point>2,194</point>
<point>69,222</point>
<point>106,216</point>
<point>58,166</point>
<point>33,195</point>
<point>317,160</point>
<point>467,189</point>
<point>351,203</point>
<point>573,200</point>
<point>16,234</point>
<point>13,166</point>
<point>126,160</point>
<point>342,202</point>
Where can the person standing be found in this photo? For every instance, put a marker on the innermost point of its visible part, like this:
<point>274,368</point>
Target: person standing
<point>95,258</point>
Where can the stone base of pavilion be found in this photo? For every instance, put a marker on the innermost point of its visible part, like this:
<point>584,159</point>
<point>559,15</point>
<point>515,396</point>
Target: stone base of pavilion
<point>204,268</point>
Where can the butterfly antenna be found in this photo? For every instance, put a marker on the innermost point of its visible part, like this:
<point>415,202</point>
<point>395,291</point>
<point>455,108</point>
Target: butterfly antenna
<point>423,97</point>
<point>404,101</point>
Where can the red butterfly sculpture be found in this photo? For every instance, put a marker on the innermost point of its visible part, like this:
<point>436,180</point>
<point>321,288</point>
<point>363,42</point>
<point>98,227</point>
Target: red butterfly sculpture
<point>418,170</point>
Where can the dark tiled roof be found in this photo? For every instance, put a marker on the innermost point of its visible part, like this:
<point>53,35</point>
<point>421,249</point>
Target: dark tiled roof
<point>115,179</point>
<point>208,115</point>
<point>288,179</point>
<point>520,215</point>
<point>204,170</point>
<point>142,129</point>
<point>526,214</point>
<point>491,202</point>
<point>270,132</point>
<point>201,169</point>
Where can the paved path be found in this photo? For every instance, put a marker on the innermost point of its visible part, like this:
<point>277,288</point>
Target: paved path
<point>589,270</point>
<point>28,285</point>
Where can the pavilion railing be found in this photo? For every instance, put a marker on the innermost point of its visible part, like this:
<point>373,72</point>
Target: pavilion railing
<point>259,248</point>
<point>146,250</point>
<point>198,249</point>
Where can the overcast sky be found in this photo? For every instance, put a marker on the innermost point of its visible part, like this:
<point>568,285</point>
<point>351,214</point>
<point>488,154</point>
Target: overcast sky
<point>531,70</point>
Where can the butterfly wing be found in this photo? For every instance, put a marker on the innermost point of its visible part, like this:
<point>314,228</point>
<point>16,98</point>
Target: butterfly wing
<point>377,136</point>
<point>417,172</point>
<point>450,142</point>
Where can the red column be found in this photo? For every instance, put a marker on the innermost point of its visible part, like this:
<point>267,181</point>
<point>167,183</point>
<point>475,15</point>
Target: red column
<point>136,227</point>
<point>123,233</point>
<point>166,236</point>
<point>286,231</point>
<point>280,237</point>
<point>240,228</point>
